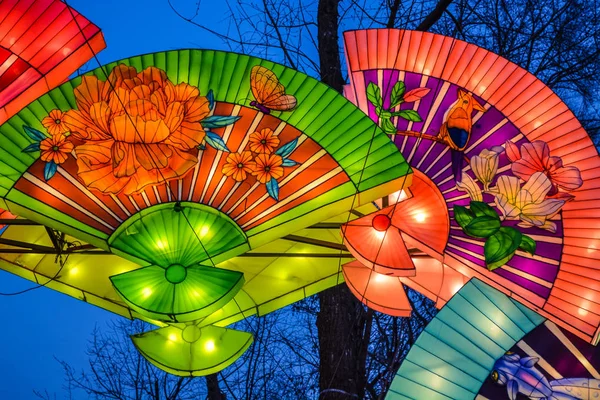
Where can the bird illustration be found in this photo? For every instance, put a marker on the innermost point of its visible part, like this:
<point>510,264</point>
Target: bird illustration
<point>457,126</point>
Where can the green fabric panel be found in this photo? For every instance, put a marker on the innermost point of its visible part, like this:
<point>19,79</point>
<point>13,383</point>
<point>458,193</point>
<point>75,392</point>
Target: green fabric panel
<point>458,348</point>
<point>215,349</point>
<point>202,292</point>
<point>163,236</point>
<point>27,207</point>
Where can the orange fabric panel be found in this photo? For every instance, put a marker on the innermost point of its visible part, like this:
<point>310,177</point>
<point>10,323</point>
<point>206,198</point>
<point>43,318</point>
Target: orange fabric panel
<point>47,38</point>
<point>379,292</point>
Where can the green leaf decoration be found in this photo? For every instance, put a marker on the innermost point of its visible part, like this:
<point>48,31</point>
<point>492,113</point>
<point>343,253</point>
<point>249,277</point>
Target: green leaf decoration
<point>374,95</point>
<point>481,209</point>
<point>385,114</point>
<point>410,115</point>
<point>463,216</point>
<point>388,127</point>
<point>482,227</point>
<point>287,148</point>
<point>397,94</point>
<point>528,245</point>
<point>35,146</point>
<point>218,121</point>
<point>273,189</point>
<point>34,133</point>
<point>215,141</point>
<point>50,170</point>
<point>501,247</point>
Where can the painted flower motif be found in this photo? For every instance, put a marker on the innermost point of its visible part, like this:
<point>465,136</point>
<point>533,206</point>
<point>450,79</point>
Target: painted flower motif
<point>56,149</point>
<point>268,166</point>
<point>264,141</point>
<point>54,123</point>
<point>535,157</point>
<point>239,165</point>
<point>485,166</point>
<point>137,129</point>
<point>529,203</point>
<point>467,184</point>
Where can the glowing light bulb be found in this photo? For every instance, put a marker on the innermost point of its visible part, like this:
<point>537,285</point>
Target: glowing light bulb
<point>204,231</point>
<point>379,234</point>
<point>421,217</point>
<point>173,337</point>
<point>74,271</point>
<point>209,346</point>
<point>160,244</point>
<point>537,124</point>
<point>379,278</point>
<point>147,292</point>
<point>582,311</point>
<point>66,51</point>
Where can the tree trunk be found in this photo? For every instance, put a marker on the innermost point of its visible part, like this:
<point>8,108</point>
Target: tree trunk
<point>341,317</point>
<point>212,386</point>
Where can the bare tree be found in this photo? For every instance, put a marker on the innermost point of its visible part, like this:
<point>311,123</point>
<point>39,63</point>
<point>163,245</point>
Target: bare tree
<point>118,371</point>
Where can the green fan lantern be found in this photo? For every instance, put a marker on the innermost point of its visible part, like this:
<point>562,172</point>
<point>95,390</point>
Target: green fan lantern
<point>208,174</point>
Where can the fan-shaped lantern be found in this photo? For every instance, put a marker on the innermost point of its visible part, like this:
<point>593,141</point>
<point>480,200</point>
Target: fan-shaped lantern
<point>485,345</point>
<point>42,42</point>
<point>457,351</point>
<point>192,351</point>
<point>515,173</point>
<point>184,161</point>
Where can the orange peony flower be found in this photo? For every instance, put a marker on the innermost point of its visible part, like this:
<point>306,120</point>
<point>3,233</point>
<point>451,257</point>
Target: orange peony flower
<point>239,165</point>
<point>54,123</point>
<point>56,148</point>
<point>264,141</point>
<point>268,166</point>
<point>138,129</point>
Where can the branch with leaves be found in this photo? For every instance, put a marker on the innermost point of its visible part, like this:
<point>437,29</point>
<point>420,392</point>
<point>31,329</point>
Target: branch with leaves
<point>398,96</point>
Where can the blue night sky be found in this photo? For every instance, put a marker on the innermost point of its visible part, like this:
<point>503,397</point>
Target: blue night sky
<point>42,324</point>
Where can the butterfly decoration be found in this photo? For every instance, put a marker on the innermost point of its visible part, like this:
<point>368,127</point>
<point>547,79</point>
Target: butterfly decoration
<point>269,92</point>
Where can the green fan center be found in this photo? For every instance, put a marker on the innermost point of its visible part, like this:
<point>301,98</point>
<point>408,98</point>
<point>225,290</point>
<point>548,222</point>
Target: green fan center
<point>176,273</point>
<point>191,333</point>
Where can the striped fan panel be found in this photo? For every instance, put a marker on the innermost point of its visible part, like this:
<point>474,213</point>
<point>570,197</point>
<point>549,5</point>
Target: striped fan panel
<point>456,352</point>
<point>41,43</point>
<point>247,203</point>
<point>562,276</point>
<point>339,151</point>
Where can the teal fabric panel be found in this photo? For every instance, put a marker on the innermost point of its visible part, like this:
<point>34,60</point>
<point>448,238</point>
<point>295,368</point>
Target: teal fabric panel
<point>458,348</point>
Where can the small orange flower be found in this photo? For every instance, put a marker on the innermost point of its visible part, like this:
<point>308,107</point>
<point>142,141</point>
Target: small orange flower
<point>264,141</point>
<point>54,123</point>
<point>268,166</point>
<point>56,148</point>
<point>239,165</point>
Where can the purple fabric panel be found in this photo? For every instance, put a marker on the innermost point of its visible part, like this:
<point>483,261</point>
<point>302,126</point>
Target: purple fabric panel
<point>371,76</point>
<point>390,77</point>
<point>546,344</point>
<point>541,291</point>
